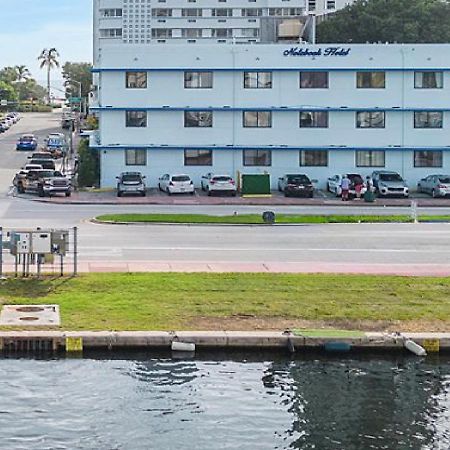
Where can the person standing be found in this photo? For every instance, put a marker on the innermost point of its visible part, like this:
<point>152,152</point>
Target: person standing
<point>345,187</point>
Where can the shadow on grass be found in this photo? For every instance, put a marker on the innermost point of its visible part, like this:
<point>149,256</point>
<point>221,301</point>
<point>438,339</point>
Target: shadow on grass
<point>32,287</point>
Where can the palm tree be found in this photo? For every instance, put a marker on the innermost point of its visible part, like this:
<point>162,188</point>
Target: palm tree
<point>48,59</point>
<point>23,74</point>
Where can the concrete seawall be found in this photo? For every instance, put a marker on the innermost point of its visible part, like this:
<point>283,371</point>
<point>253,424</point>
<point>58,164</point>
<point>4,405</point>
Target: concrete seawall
<point>77,341</point>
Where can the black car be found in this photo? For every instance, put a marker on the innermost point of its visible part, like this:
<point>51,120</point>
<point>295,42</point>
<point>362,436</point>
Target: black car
<point>298,185</point>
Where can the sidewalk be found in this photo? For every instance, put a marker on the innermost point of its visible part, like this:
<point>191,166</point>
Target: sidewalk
<point>154,197</point>
<point>416,270</point>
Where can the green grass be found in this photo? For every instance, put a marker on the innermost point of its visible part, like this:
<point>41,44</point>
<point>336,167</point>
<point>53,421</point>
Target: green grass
<point>329,333</point>
<point>177,301</point>
<point>249,218</point>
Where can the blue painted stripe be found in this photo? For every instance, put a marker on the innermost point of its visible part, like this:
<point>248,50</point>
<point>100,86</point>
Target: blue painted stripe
<point>273,108</point>
<point>264,147</point>
<point>271,69</point>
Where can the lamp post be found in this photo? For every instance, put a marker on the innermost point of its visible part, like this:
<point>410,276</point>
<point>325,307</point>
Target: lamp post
<point>79,93</point>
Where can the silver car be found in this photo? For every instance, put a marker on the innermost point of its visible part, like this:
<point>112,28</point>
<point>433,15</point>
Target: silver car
<point>435,185</point>
<point>131,183</point>
<point>388,183</point>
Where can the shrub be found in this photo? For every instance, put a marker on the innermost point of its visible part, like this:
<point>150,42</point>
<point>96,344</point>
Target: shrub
<point>89,165</point>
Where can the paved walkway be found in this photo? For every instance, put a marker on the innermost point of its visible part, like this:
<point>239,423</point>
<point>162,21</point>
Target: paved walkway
<point>154,197</point>
<point>433,270</point>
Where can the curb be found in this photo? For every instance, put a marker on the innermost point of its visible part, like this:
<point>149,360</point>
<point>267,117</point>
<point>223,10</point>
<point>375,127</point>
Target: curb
<point>64,340</point>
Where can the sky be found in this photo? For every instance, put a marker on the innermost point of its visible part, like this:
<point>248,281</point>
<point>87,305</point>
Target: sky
<point>29,26</point>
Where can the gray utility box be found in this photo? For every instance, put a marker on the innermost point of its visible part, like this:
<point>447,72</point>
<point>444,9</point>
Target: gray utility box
<point>42,242</point>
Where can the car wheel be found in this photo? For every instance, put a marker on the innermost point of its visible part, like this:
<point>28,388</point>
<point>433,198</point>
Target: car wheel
<point>159,187</point>
<point>68,194</point>
<point>286,193</point>
<point>168,191</point>
<point>433,193</point>
<point>41,192</point>
<point>193,192</point>
<point>20,188</point>
<point>233,194</point>
<point>311,195</point>
<point>119,194</point>
<point>208,192</point>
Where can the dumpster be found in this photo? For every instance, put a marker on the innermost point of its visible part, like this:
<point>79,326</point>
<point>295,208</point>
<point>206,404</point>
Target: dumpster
<point>255,184</point>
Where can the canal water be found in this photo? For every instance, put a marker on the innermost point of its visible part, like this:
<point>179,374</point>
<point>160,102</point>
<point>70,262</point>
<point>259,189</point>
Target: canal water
<point>137,401</point>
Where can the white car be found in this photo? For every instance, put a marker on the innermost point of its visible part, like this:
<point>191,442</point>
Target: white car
<point>334,184</point>
<point>218,183</point>
<point>176,184</point>
<point>435,185</point>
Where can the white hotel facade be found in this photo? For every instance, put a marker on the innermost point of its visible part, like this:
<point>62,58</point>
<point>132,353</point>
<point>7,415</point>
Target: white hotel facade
<point>276,108</point>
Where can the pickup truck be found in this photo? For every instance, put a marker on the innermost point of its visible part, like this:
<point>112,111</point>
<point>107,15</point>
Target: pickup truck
<point>44,182</point>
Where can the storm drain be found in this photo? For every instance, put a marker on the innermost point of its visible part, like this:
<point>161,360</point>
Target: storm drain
<point>30,315</point>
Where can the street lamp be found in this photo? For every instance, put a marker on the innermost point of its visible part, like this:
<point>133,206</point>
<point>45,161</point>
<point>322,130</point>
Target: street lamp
<point>79,93</point>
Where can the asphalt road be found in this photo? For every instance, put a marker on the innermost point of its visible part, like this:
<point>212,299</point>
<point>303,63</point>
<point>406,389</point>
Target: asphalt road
<point>356,244</point>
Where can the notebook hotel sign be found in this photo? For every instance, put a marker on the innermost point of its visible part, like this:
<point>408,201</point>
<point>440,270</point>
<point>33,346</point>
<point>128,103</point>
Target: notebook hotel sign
<point>322,52</point>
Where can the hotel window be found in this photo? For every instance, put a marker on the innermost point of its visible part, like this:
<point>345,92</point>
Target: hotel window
<point>257,157</point>
<point>331,4</point>
<point>314,158</point>
<point>285,11</point>
<point>312,5</point>
<point>426,158</point>
<point>314,119</point>
<point>222,32</point>
<point>370,80</point>
<point>314,80</point>
<point>257,119</point>
<point>136,80</point>
<point>198,80</point>
<point>135,157</point>
<point>194,119</point>
<point>249,32</point>
<point>222,12</point>
<point>191,12</point>
<point>161,12</point>
<point>191,32</point>
<point>136,119</point>
<point>111,12</point>
<point>370,119</point>
<point>370,158</point>
<point>257,80</point>
<point>428,119</point>
<point>428,80</point>
<point>197,157</point>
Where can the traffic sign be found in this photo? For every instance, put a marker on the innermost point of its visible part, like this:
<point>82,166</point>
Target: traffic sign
<point>3,102</point>
<point>75,100</point>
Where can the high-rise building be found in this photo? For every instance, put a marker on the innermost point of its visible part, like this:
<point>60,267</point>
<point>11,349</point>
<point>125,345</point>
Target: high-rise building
<point>206,21</point>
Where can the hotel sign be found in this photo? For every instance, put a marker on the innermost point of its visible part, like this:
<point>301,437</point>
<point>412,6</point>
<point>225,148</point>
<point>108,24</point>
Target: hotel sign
<point>327,51</point>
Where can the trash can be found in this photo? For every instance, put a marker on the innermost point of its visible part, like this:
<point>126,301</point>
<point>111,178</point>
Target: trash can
<point>369,196</point>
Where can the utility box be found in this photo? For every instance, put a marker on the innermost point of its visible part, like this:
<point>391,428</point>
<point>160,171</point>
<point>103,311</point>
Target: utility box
<point>20,243</point>
<point>255,184</point>
<point>41,242</point>
<point>60,242</point>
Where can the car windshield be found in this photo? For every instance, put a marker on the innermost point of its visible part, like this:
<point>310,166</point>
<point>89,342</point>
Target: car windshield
<point>42,156</point>
<point>26,138</point>
<point>222,178</point>
<point>47,173</point>
<point>390,177</point>
<point>298,179</point>
<point>180,178</point>
<point>131,177</point>
<point>445,180</point>
<point>54,141</point>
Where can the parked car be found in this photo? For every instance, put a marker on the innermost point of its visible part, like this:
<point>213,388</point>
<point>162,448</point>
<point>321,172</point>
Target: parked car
<point>47,164</point>
<point>44,182</point>
<point>212,183</point>
<point>27,142</point>
<point>131,183</point>
<point>298,185</point>
<point>435,185</point>
<point>334,184</point>
<point>388,183</point>
<point>176,184</point>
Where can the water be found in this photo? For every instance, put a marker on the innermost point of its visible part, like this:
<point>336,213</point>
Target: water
<point>225,402</point>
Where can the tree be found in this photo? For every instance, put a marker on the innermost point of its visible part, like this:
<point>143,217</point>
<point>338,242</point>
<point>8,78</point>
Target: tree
<point>23,74</point>
<point>9,75</point>
<point>49,60</point>
<point>75,73</point>
<point>403,21</point>
<point>30,89</point>
<point>7,92</point>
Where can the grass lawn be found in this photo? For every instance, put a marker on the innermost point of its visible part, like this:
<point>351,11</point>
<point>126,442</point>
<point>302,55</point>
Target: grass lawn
<point>177,301</point>
<point>250,218</point>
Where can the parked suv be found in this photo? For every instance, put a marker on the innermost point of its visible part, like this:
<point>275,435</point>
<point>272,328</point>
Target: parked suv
<point>218,183</point>
<point>44,182</point>
<point>131,183</point>
<point>296,185</point>
<point>389,183</point>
